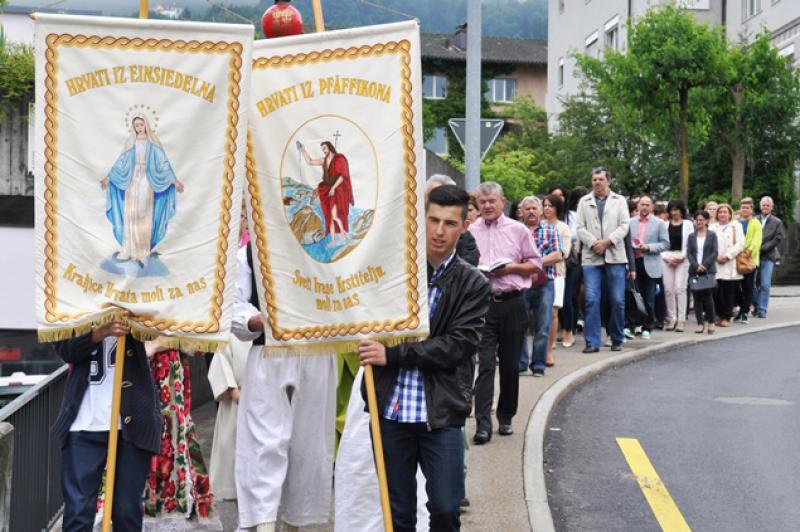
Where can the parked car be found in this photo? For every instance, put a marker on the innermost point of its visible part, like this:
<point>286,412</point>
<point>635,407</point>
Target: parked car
<point>15,385</point>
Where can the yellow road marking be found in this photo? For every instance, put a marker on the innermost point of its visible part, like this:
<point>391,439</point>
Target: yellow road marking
<point>654,490</point>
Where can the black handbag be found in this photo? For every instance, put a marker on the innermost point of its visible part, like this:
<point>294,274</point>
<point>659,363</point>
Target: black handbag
<point>635,307</point>
<point>702,281</point>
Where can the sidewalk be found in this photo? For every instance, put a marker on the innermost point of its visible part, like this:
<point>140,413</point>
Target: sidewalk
<point>499,472</point>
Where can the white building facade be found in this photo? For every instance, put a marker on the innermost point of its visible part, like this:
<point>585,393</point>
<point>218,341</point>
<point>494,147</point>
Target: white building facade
<point>780,17</point>
<point>593,26</point>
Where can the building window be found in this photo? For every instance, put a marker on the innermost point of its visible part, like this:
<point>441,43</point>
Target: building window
<point>560,72</point>
<point>612,39</point>
<point>699,5</point>
<point>434,87</point>
<point>751,8</point>
<point>438,142</point>
<point>592,50</point>
<point>501,90</point>
<point>788,52</point>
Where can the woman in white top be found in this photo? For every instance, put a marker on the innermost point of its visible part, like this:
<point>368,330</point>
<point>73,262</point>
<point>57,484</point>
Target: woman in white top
<point>730,239</point>
<point>676,267</point>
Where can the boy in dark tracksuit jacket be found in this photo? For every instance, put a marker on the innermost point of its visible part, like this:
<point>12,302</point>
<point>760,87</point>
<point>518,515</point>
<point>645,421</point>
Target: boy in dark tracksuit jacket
<point>85,418</point>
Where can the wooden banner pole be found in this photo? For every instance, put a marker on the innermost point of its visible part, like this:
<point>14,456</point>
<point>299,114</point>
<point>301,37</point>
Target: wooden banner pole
<point>113,434</point>
<point>319,21</point>
<point>369,379</point>
<point>377,446</point>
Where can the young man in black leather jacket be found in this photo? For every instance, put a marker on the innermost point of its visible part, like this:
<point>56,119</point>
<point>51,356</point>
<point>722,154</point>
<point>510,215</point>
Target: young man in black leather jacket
<point>424,388</point>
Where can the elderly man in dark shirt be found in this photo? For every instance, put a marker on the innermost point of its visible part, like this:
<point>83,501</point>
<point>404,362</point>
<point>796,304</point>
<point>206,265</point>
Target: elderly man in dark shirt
<point>772,235</point>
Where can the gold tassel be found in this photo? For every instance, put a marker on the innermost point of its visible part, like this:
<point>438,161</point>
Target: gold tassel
<point>335,347</point>
<point>186,344</point>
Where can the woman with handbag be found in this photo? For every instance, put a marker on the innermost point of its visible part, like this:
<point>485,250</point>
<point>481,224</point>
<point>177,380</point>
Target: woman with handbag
<point>748,260</point>
<point>676,268</point>
<point>702,251</point>
<point>569,313</point>
<point>730,241</point>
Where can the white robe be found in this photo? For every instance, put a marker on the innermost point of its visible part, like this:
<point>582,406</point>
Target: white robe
<point>285,427</point>
<point>226,371</point>
<point>138,222</point>
<point>358,504</point>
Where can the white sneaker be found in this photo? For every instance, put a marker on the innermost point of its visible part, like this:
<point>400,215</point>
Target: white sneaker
<point>266,527</point>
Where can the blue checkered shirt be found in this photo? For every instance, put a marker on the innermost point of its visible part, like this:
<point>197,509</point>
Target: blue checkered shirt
<point>407,403</point>
<point>548,240</point>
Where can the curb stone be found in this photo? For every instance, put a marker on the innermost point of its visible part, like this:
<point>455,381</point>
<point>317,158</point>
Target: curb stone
<point>540,518</point>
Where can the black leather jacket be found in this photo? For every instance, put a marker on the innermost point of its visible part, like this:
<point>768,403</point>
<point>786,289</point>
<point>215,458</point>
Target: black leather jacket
<point>445,358</point>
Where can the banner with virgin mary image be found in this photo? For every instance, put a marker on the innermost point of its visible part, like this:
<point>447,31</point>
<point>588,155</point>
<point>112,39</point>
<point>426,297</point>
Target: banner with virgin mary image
<point>335,178</point>
<point>139,149</point>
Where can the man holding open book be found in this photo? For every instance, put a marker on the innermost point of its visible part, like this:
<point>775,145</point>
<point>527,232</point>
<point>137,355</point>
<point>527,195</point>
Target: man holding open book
<point>508,258</point>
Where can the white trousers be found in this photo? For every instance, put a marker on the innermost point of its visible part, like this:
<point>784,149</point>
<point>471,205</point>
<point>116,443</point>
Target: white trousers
<point>284,439</point>
<point>358,503</point>
<point>675,280</point>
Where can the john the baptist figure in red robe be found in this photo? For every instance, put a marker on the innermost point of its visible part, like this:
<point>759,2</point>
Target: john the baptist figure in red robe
<point>335,190</point>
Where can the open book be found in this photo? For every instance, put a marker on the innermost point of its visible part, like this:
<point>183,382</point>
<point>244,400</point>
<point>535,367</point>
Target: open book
<point>496,265</point>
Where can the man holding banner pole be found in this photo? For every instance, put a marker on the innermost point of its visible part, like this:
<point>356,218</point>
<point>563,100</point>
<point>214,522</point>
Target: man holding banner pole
<point>424,388</point>
<point>84,420</point>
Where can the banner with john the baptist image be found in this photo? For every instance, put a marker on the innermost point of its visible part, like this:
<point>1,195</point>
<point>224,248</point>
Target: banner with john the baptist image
<point>141,139</point>
<point>335,188</point>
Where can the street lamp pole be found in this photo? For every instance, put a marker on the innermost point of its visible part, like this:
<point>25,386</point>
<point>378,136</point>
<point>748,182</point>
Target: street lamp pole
<point>472,157</point>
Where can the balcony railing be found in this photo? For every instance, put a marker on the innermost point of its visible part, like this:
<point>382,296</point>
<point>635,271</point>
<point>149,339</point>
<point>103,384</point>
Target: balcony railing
<point>36,501</point>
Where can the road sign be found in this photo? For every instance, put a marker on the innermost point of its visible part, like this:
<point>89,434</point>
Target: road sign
<point>490,129</point>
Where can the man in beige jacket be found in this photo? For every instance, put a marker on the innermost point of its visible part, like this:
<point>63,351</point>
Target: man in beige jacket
<point>602,225</point>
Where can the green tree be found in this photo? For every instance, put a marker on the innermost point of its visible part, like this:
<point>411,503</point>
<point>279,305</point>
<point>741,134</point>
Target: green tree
<point>669,56</point>
<point>760,101</point>
<point>519,160</point>
<point>590,135</point>
<point>16,74</point>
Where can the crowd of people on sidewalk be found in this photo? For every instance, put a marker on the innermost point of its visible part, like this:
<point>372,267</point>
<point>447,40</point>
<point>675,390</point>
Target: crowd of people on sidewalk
<point>554,266</point>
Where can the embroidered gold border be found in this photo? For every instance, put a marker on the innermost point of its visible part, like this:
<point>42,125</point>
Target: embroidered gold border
<point>53,41</point>
<point>411,321</point>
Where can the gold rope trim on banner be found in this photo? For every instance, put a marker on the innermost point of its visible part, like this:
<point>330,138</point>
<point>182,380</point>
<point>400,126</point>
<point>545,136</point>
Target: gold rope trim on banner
<point>402,48</point>
<point>51,152</point>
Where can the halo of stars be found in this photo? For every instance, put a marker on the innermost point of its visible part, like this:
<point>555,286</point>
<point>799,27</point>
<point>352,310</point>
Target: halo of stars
<point>142,109</point>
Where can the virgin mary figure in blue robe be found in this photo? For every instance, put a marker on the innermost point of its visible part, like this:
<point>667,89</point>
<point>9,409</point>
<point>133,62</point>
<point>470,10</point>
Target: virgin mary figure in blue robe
<point>140,197</point>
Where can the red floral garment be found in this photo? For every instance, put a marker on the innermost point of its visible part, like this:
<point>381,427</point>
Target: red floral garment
<point>178,480</point>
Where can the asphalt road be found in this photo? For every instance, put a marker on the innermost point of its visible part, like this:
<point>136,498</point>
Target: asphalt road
<point>719,421</point>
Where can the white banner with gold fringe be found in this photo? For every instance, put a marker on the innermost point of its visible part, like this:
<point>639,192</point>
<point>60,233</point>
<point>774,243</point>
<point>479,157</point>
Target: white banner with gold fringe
<point>140,146</point>
<point>335,174</point>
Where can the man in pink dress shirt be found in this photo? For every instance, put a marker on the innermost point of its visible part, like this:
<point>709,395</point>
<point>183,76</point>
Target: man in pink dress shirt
<point>499,237</point>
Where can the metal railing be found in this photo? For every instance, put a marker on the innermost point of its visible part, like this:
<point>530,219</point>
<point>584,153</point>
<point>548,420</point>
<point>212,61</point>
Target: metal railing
<point>36,500</point>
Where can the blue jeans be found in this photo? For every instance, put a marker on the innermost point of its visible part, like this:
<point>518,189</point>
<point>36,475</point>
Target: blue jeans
<point>83,460</point>
<point>763,285</point>
<point>540,301</point>
<point>440,455</point>
<point>595,279</point>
